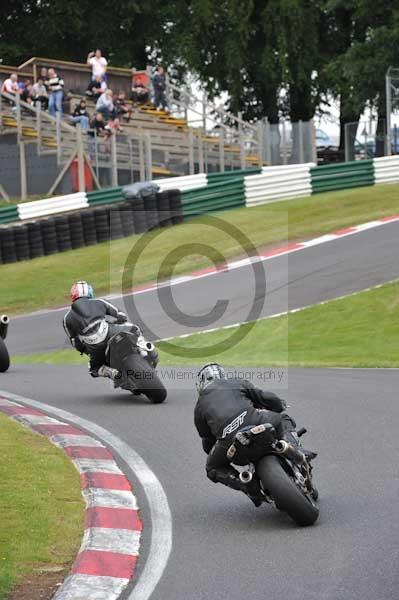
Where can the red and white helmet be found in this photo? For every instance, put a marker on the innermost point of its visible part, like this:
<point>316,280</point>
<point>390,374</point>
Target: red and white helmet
<point>81,289</point>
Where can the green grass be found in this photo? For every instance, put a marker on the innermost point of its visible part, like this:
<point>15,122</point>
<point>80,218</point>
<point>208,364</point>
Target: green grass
<point>358,331</point>
<point>45,282</point>
<point>40,505</point>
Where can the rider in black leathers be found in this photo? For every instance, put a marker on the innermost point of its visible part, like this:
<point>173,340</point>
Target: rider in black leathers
<point>86,316</point>
<point>224,407</point>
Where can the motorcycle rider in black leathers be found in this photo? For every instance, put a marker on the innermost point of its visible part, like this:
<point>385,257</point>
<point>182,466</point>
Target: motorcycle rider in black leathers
<point>87,329</point>
<point>224,407</point>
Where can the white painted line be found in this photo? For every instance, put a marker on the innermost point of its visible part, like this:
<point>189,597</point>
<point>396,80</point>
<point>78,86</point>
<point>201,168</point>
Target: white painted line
<point>122,541</point>
<point>161,518</point>
<point>96,465</point>
<point>280,314</point>
<point>109,498</point>
<point>64,441</point>
<point>334,236</point>
<point>37,420</point>
<point>91,587</point>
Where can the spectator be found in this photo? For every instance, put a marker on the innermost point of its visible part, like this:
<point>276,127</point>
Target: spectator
<point>159,84</point>
<point>10,85</point>
<point>80,115</point>
<point>105,105</point>
<point>122,108</point>
<point>98,64</point>
<point>97,86</point>
<point>43,73</point>
<point>97,125</point>
<point>140,93</point>
<point>39,93</point>
<point>55,86</point>
<point>26,94</point>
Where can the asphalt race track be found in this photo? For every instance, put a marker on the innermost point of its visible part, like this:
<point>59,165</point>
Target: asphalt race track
<point>317,273</point>
<point>224,548</point>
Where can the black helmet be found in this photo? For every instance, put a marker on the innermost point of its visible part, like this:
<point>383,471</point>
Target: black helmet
<point>208,374</point>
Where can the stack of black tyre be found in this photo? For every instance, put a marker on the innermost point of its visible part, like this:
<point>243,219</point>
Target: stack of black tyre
<point>90,226</point>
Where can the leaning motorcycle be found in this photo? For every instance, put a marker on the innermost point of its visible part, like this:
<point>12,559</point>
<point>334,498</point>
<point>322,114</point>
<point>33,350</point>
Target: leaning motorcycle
<point>4,356</point>
<point>128,352</point>
<point>284,471</point>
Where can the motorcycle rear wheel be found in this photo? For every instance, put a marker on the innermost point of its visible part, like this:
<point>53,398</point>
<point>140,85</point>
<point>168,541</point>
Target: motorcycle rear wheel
<point>146,380</point>
<point>287,496</point>
<point>4,357</point>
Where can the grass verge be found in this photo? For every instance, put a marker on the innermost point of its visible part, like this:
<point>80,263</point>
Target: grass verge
<point>44,282</point>
<point>357,331</point>
<point>40,503</point>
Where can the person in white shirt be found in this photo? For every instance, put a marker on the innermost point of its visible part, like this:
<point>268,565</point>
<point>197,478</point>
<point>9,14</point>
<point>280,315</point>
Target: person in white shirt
<point>10,85</point>
<point>98,64</point>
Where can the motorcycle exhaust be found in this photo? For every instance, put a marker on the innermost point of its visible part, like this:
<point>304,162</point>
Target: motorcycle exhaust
<point>4,321</point>
<point>245,472</point>
<point>245,476</point>
<point>285,449</point>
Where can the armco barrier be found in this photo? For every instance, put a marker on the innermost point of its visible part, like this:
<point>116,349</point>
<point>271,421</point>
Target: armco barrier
<point>187,182</point>
<point>340,176</point>
<point>107,196</point>
<point>386,169</point>
<point>50,206</point>
<point>215,196</point>
<point>8,214</point>
<point>89,226</point>
<point>278,183</point>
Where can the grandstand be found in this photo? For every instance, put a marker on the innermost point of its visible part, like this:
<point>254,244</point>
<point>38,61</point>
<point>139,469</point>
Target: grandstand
<point>195,136</point>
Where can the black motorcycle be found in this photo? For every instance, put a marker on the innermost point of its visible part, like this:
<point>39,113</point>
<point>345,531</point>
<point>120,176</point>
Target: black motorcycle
<point>283,469</point>
<point>4,356</point>
<point>136,359</point>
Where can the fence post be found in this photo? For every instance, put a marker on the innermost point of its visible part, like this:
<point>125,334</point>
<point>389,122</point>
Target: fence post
<point>389,109</point>
<point>260,142</point>
<point>22,163</point>
<point>81,159</point>
<point>141,156</point>
<point>39,126</point>
<point>200,153</point>
<point>241,141</point>
<point>114,161</point>
<point>284,145</point>
<point>18,115</point>
<point>191,152</point>
<point>204,103</point>
<point>148,157</point>
<point>130,142</point>
<point>300,141</point>
<point>221,150</point>
<point>58,136</point>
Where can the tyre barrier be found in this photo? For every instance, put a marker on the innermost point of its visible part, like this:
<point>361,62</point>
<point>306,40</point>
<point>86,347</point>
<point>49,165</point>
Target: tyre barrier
<point>89,226</point>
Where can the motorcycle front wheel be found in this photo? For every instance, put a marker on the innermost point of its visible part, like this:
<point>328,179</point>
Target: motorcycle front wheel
<point>146,380</point>
<point>285,493</point>
<point>4,357</point>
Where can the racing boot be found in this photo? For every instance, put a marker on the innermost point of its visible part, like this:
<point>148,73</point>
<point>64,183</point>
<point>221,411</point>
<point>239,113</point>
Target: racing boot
<point>114,374</point>
<point>231,480</point>
<point>292,438</point>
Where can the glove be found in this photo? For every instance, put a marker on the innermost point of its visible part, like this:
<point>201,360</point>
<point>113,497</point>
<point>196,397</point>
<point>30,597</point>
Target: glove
<point>121,317</point>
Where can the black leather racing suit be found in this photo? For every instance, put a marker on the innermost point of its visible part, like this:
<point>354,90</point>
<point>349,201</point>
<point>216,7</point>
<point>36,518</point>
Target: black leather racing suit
<point>77,321</point>
<point>224,407</point>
